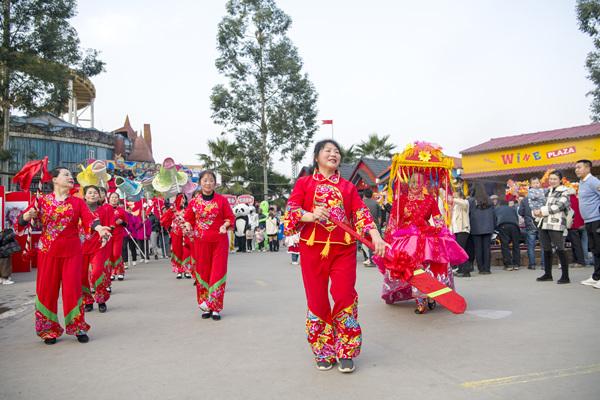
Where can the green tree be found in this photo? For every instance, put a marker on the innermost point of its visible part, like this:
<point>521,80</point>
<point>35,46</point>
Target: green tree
<point>376,147</point>
<point>40,51</point>
<point>588,14</point>
<point>240,174</point>
<point>268,103</point>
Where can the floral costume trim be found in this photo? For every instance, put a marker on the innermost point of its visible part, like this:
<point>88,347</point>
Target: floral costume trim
<point>46,322</point>
<point>47,326</point>
<point>212,295</point>
<point>343,339</point>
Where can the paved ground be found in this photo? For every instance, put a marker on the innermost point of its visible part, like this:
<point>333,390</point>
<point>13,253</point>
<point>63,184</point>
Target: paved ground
<point>519,339</point>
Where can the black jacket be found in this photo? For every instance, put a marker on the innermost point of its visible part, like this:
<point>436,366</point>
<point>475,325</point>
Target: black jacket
<point>525,212</point>
<point>8,243</point>
<point>482,220</point>
<point>506,215</point>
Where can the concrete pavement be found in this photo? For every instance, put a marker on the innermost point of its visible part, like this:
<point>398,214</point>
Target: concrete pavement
<point>519,339</point>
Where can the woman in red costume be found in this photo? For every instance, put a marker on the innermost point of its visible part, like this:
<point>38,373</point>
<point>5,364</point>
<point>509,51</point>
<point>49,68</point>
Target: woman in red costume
<point>208,217</point>
<point>95,254</point>
<point>431,247</point>
<point>115,246</point>
<point>59,257</point>
<point>328,256</point>
<point>180,252</point>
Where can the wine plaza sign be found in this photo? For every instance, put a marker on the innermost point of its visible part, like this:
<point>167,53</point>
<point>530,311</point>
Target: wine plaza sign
<point>534,155</point>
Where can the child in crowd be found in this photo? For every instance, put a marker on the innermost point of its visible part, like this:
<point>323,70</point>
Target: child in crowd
<point>536,195</point>
<point>249,237</point>
<point>260,239</point>
<point>293,247</point>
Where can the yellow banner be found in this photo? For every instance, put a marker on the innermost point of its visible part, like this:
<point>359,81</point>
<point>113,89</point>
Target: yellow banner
<point>540,155</point>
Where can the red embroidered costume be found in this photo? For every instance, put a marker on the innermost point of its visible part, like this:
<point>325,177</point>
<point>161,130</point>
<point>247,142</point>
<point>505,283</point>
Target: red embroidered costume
<point>327,254</point>
<point>59,261</point>
<point>172,219</point>
<point>115,245</point>
<point>95,259</point>
<point>207,214</point>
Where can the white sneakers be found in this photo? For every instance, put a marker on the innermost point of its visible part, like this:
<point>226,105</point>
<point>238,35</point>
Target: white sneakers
<point>134,263</point>
<point>597,285</point>
<point>6,281</point>
<point>589,282</point>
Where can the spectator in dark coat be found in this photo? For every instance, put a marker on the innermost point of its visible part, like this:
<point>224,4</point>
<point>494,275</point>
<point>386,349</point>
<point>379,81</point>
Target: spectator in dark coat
<point>507,225</point>
<point>8,246</point>
<point>481,217</point>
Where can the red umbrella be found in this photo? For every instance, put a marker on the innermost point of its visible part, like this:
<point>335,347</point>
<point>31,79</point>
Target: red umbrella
<point>402,265</point>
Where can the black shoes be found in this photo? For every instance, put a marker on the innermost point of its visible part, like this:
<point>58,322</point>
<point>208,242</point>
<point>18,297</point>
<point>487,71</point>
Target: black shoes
<point>83,338</point>
<point>346,365</point>
<point>545,278</point>
<point>50,341</point>
<point>206,314</point>
<point>216,316</point>
<point>484,272</point>
<point>324,365</point>
<point>563,280</point>
<point>89,307</point>
<point>102,307</point>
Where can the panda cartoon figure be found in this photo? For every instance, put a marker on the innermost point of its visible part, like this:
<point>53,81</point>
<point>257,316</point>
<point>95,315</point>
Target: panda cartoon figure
<point>242,224</point>
<point>253,218</point>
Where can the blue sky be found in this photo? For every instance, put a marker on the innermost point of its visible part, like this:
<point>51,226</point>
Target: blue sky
<point>452,72</point>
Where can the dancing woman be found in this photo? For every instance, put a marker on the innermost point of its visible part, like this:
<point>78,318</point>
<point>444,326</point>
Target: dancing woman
<point>95,254</point>
<point>119,222</point>
<point>209,217</point>
<point>328,256</point>
<point>60,257</point>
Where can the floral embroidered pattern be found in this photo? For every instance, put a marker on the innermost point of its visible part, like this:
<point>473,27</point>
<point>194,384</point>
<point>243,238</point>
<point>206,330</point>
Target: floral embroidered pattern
<point>205,213</point>
<point>45,327</point>
<point>55,216</point>
<point>212,295</point>
<point>291,219</point>
<point>320,337</point>
<point>75,320</point>
<point>330,197</point>
<point>363,221</point>
<point>101,293</point>
<point>348,332</point>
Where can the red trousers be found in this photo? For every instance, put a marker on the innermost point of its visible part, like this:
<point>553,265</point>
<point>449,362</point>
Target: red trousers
<point>332,333</point>
<point>116,255</point>
<point>177,252</point>
<point>211,271</point>
<point>52,272</point>
<point>94,274</point>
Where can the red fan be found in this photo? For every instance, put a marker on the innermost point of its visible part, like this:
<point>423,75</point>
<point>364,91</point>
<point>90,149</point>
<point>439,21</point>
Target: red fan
<point>402,265</point>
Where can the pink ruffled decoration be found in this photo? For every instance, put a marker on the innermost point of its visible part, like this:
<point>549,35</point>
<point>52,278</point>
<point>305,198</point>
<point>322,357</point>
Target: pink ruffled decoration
<point>428,244</point>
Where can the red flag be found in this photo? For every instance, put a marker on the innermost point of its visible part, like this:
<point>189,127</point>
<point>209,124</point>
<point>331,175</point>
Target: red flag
<point>327,121</point>
<point>29,170</point>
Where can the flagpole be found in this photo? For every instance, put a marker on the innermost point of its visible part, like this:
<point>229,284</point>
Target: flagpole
<point>332,129</point>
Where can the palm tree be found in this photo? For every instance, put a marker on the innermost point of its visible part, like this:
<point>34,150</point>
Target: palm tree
<point>376,147</point>
<point>224,158</point>
<point>349,154</point>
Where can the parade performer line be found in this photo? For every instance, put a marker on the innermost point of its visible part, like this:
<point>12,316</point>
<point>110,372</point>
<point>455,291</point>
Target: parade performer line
<point>533,377</point>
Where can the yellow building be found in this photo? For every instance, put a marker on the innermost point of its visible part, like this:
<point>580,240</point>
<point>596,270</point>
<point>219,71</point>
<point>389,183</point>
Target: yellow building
<point>520,157</point>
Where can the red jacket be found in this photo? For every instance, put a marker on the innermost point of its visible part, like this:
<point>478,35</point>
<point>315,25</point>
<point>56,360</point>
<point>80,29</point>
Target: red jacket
<point>336,194</point>
<point>60,224</point>
<point>207,216</point>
